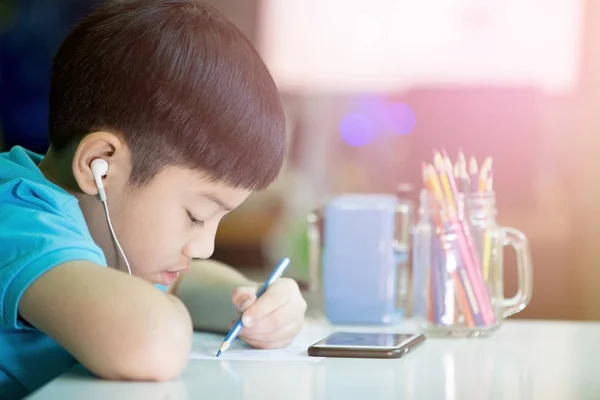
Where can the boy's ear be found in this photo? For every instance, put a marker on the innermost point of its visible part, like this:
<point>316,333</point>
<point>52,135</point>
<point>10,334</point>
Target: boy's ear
<point>109,147</point>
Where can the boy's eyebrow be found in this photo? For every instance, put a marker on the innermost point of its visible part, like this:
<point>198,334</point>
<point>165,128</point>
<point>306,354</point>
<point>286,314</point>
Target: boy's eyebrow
<point>216,199</point>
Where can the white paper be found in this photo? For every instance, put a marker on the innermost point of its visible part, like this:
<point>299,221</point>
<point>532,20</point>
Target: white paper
<point>205,347</point>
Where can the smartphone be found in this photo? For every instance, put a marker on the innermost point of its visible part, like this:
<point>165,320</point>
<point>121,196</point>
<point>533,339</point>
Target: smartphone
<point>366,345</point>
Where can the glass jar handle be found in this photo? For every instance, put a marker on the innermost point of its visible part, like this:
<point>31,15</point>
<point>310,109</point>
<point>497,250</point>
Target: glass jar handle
<point>519,242</point>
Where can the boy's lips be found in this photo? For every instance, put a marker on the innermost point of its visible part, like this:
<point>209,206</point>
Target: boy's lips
<point>169,277</point>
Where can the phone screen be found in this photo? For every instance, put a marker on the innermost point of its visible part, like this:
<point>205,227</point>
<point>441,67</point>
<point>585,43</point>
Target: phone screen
<point>352,339</point>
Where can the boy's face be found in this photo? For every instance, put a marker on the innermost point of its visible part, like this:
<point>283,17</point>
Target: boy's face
<point>160,225</point>
<point>169,221</point>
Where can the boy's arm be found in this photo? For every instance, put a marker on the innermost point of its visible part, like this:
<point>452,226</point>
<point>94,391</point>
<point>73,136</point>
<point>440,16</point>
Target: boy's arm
<point>206,290</point>
<point>117,326</point>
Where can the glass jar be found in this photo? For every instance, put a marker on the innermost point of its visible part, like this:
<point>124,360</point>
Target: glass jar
<point>458,267</point>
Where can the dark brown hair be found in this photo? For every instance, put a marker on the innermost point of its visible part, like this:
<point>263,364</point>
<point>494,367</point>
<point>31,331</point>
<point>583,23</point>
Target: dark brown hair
<point>179,82</point>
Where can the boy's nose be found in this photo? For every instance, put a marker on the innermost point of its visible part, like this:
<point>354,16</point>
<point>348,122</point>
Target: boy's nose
<point>202,247</point>
<point>206,251</point>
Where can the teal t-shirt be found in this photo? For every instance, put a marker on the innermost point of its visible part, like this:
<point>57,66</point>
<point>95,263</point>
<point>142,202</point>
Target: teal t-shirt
<point>41,226</point>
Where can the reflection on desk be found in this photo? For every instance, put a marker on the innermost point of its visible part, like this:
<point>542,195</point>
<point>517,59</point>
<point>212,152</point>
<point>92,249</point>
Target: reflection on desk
<point>523,360</point>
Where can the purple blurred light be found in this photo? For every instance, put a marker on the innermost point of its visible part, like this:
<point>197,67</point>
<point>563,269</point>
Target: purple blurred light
<point>356,130</point>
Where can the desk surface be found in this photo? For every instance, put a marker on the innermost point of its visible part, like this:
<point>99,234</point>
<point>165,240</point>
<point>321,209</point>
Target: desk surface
<point>522,360</point>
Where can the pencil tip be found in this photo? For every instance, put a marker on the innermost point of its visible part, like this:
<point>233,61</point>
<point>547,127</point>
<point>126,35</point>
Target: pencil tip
<point>438,161</point>
<point>488,162</point>
<point>473,165</point>
<point>218,353</point>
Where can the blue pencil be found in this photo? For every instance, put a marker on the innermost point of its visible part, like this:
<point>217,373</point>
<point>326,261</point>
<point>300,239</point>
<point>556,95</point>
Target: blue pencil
<point>237,327</point>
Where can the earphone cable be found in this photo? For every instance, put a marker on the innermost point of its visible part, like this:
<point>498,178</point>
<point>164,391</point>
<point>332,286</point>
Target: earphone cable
<point>112,231</point>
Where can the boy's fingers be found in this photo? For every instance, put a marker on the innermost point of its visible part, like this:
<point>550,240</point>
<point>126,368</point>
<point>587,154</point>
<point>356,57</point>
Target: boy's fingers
<point>288,313</point>
<point>243,291</point>
<point>273,340</point>
<point>278,295</point>
<point>245,303</point>
<point>243,297</point>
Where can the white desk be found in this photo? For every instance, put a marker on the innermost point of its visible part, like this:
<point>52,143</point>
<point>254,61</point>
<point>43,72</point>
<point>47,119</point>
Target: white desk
<point>523,360</point>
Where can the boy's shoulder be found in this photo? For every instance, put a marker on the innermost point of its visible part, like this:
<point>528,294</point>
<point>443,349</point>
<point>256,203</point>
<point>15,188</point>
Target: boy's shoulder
<point>28,198</point>
<point>19,168</point>
<point>41,227</point>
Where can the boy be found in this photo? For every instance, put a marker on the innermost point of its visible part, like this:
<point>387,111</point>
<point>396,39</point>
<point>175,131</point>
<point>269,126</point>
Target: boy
<point>177,102</point>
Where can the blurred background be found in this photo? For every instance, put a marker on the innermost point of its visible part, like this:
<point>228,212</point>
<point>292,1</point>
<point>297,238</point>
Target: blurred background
<point>370,89</point>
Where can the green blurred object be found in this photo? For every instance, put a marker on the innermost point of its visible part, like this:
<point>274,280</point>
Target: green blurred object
<point>290,239</point>
<point>7,11</point>
<point>300,238</point>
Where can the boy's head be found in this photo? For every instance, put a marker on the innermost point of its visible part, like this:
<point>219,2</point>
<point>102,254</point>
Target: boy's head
<point>179,103</point>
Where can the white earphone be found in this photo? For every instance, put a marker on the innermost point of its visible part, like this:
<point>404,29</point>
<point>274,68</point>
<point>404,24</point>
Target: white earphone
<point>99,168</point>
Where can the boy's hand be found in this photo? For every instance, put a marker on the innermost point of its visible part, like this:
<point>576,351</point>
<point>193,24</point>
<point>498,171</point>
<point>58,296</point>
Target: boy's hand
<point>273,320</point>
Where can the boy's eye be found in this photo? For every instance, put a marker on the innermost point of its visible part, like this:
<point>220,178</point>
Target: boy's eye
<point>194,221</point>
